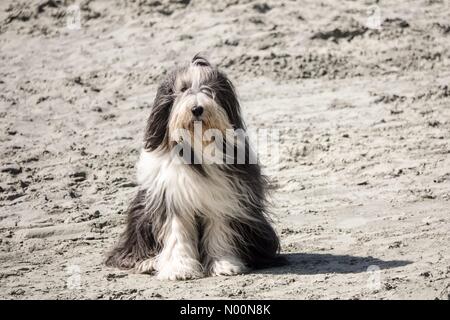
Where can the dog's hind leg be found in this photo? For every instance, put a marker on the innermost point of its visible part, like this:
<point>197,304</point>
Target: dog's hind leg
<point>137,242</point>
<point>145,266</point>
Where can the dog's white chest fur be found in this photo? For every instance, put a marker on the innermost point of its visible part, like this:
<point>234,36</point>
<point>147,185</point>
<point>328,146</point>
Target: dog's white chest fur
<point>214,195</point>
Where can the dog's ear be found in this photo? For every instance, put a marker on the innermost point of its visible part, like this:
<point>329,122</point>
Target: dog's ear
<point>227,98</point>
<point>155,133</point>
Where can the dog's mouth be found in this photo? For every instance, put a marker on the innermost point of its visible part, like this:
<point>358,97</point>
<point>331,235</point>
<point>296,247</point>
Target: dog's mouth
<point>197,123</point>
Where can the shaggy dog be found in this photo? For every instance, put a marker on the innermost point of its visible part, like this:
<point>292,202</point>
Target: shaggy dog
<point>201,205</point>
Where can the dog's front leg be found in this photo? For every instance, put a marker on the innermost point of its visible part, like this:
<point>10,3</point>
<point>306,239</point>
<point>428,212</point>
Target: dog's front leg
<point>179,257</point>
<point>221,250</point>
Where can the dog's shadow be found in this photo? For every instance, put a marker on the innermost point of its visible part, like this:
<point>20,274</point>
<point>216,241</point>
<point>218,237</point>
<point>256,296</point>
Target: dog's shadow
<point>316,263</point>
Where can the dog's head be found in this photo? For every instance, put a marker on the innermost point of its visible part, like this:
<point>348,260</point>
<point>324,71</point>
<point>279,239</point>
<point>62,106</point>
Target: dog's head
<point>192,95</point>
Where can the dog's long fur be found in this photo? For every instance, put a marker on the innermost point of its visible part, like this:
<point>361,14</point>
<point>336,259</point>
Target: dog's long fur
<point>190,220</point>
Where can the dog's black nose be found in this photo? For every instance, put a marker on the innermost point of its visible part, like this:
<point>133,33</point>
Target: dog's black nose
<point>197,111</point>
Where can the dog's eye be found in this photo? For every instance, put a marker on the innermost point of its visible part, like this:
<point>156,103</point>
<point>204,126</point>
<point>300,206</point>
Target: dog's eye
<point>184,88</point>
<point>207,91</point>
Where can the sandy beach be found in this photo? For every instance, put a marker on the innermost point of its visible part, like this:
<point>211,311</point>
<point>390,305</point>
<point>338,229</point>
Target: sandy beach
<point>358,91</point>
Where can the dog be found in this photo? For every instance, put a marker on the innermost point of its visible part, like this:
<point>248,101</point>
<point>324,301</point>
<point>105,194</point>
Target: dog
<point>189,218</point>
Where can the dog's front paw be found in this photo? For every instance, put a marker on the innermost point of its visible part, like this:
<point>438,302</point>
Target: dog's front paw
<point>227,267</point>
<point>179,271</point>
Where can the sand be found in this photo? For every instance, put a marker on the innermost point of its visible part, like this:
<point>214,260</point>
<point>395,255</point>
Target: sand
<point>361,191</point>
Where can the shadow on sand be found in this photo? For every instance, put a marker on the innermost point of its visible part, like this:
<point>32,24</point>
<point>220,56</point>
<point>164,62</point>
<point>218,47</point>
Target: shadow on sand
<point>316,263</point>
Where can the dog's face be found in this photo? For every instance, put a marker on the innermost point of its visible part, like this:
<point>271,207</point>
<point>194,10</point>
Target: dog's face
<point>194,95</point>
